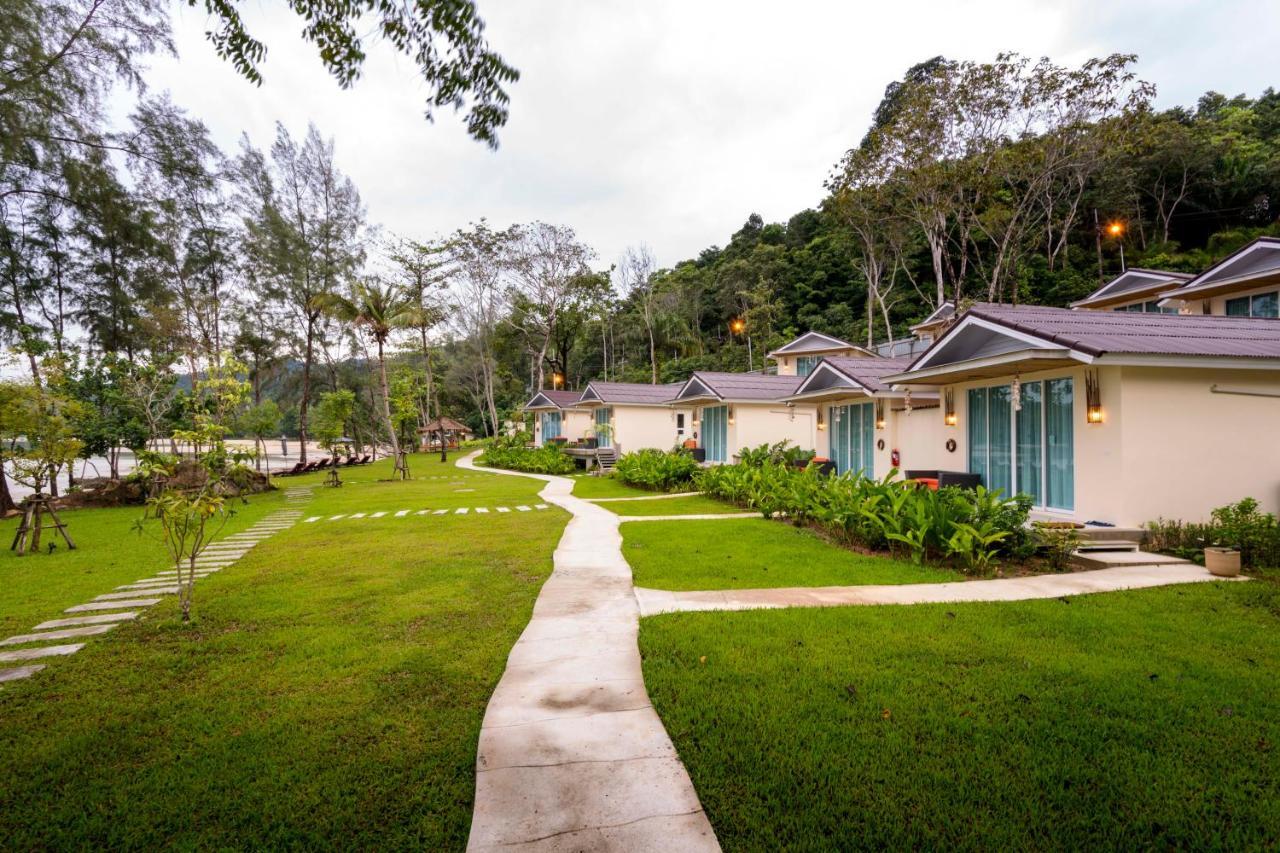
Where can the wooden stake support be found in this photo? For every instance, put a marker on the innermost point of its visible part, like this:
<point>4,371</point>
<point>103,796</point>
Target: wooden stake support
<point>34,509</point>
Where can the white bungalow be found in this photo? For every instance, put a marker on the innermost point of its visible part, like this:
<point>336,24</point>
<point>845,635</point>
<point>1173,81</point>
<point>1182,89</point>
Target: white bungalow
<point>734,411</point>
<point>800,356</point>
<point>867,425</point>
<point>1108,416</point>
<point>1245,283</point>
<point>1135,289</point>
<point>638,416</point>
<point>557,415</point>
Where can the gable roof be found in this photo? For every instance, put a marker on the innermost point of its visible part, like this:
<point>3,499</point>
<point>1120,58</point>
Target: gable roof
<point>632,393</point>
<point>941,314</point>
<point>814,342</point>
<point>992,340</point>
<point>1254,265</point>
<point>837,376</point>
<point>1133,283</point>
<point>447,424</point>
<point>553,400</point>
<point>738,387</point>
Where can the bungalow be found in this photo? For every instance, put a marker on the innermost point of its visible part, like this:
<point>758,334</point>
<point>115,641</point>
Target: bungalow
<point>735,411</point>
<point>1115,417</point>
<point>935,324</point>
<point>1245,283</point>
<point>557,415</point>
<point>637,415</point>
<point>800,356</point>
<point>1135,289</point>
<point>866,425</point>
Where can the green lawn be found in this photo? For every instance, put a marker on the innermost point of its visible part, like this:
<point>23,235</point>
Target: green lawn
<point>750,553</point>
<point>587,486</point>
<point>329,693</point>
<point>108,554</point>
<point>369,489</point>
<point>1133,720</point>
<point>693,505</point>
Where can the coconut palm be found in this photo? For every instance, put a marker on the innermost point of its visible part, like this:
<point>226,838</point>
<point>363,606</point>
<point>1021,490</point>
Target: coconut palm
<point>377,310</point>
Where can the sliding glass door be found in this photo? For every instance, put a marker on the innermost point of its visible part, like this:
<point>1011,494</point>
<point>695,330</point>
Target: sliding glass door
<point>1028,448</point>
<point>715,433</point>
<point>603,416</point>
<point>550,426</point>
<point>853,438</point>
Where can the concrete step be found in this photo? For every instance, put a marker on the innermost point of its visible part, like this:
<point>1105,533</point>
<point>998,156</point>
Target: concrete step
<point>1108,545</point>
<point>1112,559</point>
<point>1113,534</point>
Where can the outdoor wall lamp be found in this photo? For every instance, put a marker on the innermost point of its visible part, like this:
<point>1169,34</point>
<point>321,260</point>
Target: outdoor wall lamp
<point>731,416</point>
<point>1092,398</point>
<point>949,407</point>
<point>880,414</point>
<point>822,423</point>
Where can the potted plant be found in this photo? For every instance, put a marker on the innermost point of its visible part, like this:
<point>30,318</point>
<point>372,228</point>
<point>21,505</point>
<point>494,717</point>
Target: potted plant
<point>1223,562</point>
<point>601,432</point>
<point>590,439</point>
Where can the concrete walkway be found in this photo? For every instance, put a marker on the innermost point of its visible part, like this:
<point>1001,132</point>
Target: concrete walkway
<point>654,601</point>
<point>572,755</point>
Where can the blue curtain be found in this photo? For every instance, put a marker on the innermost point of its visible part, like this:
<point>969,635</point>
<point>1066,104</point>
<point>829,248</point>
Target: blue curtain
<point>715,433</point>
<point>603,416</point>
<point>837,423</point>
<point>550,426</point>
<point>1060,435</point>
<point>978,434</point>
<point>867,462</point>
<point>1000,441</point>
<point>1031,443</point>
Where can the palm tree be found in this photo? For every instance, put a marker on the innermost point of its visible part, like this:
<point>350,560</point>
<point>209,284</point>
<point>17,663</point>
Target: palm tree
<point>378,310</point>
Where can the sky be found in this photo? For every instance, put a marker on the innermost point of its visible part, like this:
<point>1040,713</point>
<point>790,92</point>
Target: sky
<point>668,122</point>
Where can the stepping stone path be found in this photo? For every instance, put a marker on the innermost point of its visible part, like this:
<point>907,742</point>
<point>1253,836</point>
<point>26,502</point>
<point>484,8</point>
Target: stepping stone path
<point>406,513</point>
<point>572,755</point>
<point>107,611</point>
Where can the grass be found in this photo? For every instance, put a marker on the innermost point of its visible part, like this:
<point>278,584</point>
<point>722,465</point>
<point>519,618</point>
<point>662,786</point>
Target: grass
<point>1132,720</point>
<point>752,553</point>
<point>693,505</point>
<point>328,694</point>
<point>370,489</point>
<point>608,486</point>
<point>108,554</point>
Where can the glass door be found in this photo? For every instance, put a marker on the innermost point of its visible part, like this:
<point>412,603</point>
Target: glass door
<point>715,433</point>
<point>603,416</point>
<point>550,426</point>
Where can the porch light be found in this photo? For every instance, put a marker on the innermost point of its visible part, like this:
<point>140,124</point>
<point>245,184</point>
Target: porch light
<point>880,414</point>
<point>822,423</point>
<point>1093,398</point>
<point>697,416</point>
<point>949,407</point>
<point>731,416</point>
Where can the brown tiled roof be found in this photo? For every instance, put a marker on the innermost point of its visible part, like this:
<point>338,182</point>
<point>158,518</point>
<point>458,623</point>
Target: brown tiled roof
<point>634,392</point>
<point>867,372</point>
<point>749,386</point>
<point>1101,332</point>
<point>563,399</point>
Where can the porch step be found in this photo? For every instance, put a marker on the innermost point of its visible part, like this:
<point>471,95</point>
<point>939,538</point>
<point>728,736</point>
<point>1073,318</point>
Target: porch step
<point>1113,534</point>
<point>1112,559</point>
<point>1107,545</point>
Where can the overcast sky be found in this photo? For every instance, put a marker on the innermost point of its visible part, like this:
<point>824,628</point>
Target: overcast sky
<point>668,123</point>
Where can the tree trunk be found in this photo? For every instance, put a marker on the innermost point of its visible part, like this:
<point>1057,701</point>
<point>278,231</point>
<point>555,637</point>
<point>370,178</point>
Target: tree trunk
<point>6,497</point>
<point>306,392</point>
<point>386,407</point>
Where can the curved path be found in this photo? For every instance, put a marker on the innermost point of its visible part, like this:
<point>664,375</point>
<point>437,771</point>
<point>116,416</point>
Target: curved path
<point>572,755</point>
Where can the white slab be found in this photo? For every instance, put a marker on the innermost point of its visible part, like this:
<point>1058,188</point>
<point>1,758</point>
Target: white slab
<point>378,514</point>
<point>112,605</point>
<point>87,620</point>
<point>523,508</point>
<point>116,596</point>
<point>422,512</point>
<point>338,516</point>
<point>462,510</point>
<point>312,520</point>
<point>482,509</point>
<point>18,672</point>
<point>440,512</point>
<point>64,634</point>
<point>40,652</point>
<point>357,515</point>
<point>402,513</point>
<point>504,509</point>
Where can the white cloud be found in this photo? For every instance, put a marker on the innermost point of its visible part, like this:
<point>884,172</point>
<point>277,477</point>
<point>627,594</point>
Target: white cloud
<point>669,122</point>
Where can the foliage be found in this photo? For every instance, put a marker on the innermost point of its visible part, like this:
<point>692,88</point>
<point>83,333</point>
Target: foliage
<point>967,527</point>
<point>331,414</point>
<point>657,470</point>
<point>534,460</point>
<point>1057,542</point>
<point>1242,526</point>
<point>779,453</point>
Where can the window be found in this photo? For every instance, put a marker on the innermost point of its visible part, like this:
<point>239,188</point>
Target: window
<point>604,415</point>
<point>1258,305</point>
<point>1146,308</point>
<point>853,437</point>
<point>806,363</point>
<point>715,433</point>
<point>550,426</point>
<point>1029,451</point>
<point>679,424</point>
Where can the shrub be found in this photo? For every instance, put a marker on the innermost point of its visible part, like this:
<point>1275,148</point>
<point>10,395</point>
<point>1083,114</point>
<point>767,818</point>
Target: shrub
<point>540,460</point>
<point>657,470</point>
<point>1058,542</point>
<point>774,454</point>
<point>1241,525</point>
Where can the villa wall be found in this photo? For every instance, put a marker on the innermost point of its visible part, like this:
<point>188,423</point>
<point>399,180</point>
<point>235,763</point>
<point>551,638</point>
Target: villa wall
<point>638,427</point>
<point>574,423</point>
<point>918,437</point>
<point>769,423</point>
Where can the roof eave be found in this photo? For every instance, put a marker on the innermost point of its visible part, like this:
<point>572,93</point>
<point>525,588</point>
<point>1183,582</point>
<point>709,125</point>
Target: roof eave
<point>995,365</point>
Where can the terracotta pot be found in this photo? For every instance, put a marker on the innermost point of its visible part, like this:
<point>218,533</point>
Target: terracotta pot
<point>1223,562</point>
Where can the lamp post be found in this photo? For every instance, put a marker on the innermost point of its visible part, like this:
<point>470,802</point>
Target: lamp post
<point>737,326</point>
<point>1115,230</point>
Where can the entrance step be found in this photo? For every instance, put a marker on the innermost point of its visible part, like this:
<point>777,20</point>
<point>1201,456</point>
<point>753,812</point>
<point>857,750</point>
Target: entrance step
<point>1134,535</point>
<point>1107,545</point>
<point>1112,559</point>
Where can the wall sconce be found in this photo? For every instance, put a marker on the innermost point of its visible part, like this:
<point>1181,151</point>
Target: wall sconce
<point>697,417</point>
<point>731,416</point>
<point>949,407</point>
<point>822,423</point>
<point>1092,397</point>
<point>880,414</point>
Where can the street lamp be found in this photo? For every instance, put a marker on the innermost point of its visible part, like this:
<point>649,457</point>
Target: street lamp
<point>557,379</point>
<point>737,325</point>
<point>1115,230</point>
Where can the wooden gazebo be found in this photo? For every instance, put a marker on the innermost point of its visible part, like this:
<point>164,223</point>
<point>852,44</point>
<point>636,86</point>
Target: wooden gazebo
<point>447,429</point>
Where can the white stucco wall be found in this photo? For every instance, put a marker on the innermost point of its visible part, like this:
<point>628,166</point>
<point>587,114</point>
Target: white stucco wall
<point>574,423</point>
<point>638,427</point>
<point>768,423</point>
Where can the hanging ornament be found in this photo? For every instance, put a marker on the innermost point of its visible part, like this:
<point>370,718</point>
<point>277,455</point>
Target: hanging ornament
<point>1016,393</point>
<point>908,402</point>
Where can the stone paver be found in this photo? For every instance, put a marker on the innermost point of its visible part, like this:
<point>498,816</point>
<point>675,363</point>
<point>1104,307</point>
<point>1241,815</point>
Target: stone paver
<point>572,755</point>
<point>99,619</point>
<point>112,605</point>
<point>116,596</point>
<point>654,601</point>
<point>18,672</point>
<point>64,634</point>
<point>40,652</point>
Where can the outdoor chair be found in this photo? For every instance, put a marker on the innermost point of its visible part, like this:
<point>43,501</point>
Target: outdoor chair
<point>368,457</point>
<point>289,472</point>
<point>352,460</point>
<point>959,479</point>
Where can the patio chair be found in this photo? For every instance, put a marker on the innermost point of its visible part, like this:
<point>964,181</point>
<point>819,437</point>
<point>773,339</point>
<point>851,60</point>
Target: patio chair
<point>289,472</point>
<point>352,460</point>
<point>368,457</point>
<point>959,479</point>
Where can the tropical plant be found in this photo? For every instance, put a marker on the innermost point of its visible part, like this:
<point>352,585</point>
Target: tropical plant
<point>533,460</point>
<point>657,470</point>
